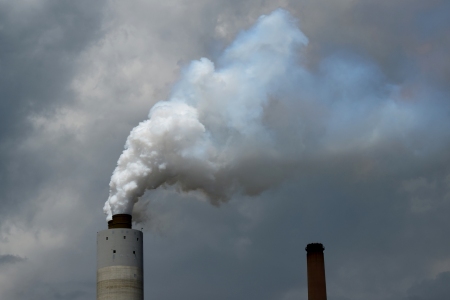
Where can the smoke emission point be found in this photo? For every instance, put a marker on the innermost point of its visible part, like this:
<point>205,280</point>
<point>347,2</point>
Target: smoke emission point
<point>314,247</point>
<point>120,221</point>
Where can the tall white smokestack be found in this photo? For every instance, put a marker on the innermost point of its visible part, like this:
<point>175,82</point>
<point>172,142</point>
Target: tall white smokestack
<point>120,259</point>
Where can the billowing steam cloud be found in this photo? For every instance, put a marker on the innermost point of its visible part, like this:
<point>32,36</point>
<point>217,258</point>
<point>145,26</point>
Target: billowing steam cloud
<point>248,121</point>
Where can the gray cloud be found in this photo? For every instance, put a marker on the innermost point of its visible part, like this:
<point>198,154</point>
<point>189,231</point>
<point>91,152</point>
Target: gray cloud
<point>434,289</point>
<point>40,45</point>
<point>10,259</point>
<point>76,77</point>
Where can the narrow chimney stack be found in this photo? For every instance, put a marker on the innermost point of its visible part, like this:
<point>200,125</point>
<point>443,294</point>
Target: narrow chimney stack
<point>317,289</point>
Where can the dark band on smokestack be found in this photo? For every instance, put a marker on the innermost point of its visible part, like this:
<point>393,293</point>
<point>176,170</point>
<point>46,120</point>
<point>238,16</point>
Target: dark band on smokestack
<point>317,289</point>
<point>120,221</point>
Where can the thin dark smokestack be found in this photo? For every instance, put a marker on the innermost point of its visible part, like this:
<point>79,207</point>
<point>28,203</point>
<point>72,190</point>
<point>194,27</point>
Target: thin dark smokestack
<point>317,289</point>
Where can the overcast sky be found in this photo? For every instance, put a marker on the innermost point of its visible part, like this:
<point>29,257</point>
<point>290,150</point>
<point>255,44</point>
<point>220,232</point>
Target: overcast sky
<point>77,76</point>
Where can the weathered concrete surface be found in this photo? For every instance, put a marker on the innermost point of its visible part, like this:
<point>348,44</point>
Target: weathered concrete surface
<point>120,283</point>
<point>119,247</point>
<point>120,264</point>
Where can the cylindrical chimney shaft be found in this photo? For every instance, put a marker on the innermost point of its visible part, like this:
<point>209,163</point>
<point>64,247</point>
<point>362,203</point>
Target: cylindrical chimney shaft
<point>120,258</point>
<point>317,289</point>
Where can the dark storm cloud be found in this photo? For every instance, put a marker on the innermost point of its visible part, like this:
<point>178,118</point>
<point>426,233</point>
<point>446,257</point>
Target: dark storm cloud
<point>386,226</point>
<point>10,259</point>
<point>371,238</point>
<point>408,39</point>
<point>382,216</point>
<point>40,43</point>
<point>435,289</point>
<point>41,290</point>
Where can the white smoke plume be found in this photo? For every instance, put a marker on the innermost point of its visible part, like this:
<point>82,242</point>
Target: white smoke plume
<point>246,122</point>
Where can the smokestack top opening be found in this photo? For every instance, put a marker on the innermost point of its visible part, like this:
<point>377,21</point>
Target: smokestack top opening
<point>314,247</point>
<point>120,221</point>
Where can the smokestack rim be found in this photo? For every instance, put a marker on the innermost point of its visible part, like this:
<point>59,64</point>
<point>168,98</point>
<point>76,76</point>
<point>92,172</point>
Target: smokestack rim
<point>120,221</point>
<point>314,247</point>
